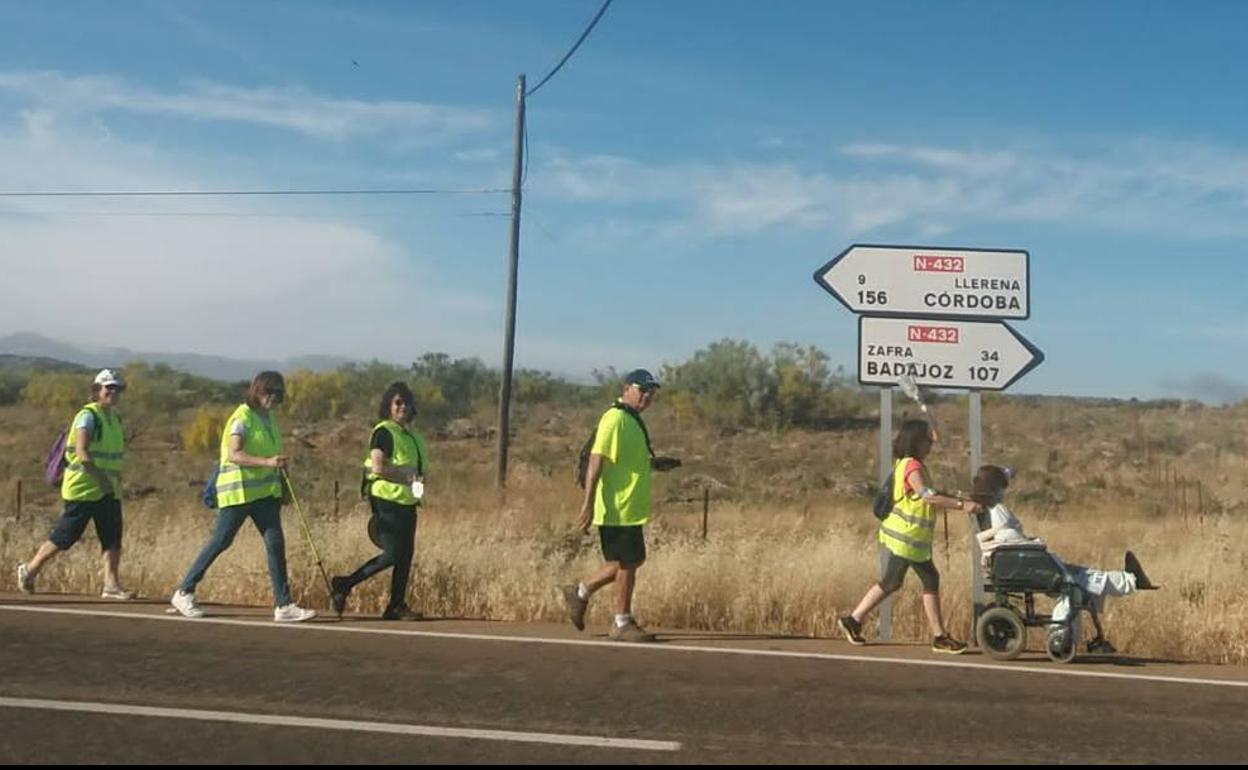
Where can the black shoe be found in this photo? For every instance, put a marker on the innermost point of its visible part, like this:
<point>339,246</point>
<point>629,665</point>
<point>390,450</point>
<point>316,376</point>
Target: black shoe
<point>340,589</point>
<point>1132,565</point>
<point>401,613</point>
<point>1101,647</point>
<point>852,630</point>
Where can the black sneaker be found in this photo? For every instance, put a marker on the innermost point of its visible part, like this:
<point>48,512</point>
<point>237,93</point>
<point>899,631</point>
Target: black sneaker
<point>1101,647</point>
<point>340,589</point>
<point>948,644</point>
<point>1132,565</point>
<point>852,630</point>
<point>401,613</point>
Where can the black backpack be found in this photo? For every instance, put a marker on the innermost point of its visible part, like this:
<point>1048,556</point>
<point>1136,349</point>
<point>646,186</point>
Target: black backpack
<point>582,462</point>
<point>884,501</point>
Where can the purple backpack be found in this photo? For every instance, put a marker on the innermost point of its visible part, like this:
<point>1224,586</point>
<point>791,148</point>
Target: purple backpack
<point>54,464</point>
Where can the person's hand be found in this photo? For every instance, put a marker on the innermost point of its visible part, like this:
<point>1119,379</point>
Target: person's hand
<point>970,506</point>
<point>278,461</point>
<point>664,463</point>
<point>586,516</point>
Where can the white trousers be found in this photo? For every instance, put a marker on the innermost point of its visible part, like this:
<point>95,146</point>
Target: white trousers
<point>1099,584</point>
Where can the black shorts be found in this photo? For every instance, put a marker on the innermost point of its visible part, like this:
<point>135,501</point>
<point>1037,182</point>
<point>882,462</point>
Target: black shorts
<point>895,574</point>
<point>626,545</point>
<point>106,513</point>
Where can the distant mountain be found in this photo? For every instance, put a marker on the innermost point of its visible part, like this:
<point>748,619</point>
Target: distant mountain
<point>10,362</point>
<point>28,345</point>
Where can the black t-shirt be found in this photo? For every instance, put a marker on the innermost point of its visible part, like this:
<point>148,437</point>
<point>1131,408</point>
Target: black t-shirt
<point>384,441</point>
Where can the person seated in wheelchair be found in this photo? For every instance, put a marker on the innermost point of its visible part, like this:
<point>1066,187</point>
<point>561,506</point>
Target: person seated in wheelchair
<point>1005,530</point>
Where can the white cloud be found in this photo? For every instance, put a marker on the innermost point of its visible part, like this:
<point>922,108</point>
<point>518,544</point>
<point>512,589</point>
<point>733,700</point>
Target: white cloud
<point>290,108</point>
<point>260,279</point>
<point>1127,184</point>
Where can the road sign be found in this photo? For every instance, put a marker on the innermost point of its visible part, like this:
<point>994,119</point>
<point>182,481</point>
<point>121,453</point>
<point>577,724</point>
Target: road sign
<point>942,353</point>
<point>928,281</point>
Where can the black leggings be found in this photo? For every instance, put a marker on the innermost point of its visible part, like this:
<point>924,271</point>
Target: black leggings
<point>396,529</point>
<point>895,573</point>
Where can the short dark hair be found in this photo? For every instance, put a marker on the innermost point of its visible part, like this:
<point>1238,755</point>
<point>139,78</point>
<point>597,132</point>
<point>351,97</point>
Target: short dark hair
<point>989,482</point>
<point>387,398</point>
<point>910,438</point>
<point>264,382</point>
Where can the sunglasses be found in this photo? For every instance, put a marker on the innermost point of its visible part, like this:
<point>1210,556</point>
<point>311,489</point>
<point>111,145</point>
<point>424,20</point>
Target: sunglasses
<point>278,396</point>
<point>114,388</point>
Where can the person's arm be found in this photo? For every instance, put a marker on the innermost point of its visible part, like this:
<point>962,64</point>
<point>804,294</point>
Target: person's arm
<point>237,456</point>
<point>916,482</point>
<point>592,473</point>
<point>380,465</point>
<point>82,448</point>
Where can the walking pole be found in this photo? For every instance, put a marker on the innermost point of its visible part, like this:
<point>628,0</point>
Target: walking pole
<point>307,532</point>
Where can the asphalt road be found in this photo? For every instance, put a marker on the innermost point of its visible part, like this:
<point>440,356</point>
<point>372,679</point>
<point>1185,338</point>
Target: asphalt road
<point>238,688</point>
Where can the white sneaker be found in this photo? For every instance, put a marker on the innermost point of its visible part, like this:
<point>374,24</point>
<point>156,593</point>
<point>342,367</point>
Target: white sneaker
<point>25,580</point>
<point>292,613</point>
<point>116,592</point>
<point>185,604</point>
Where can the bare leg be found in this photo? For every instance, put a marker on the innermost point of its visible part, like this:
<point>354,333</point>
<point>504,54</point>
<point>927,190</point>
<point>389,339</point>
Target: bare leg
<point>875,595</point>
<point>931,607</point>
<point>112,564</point>
<point>602,577</point>
<point>624,585</point>
<point>45,552</point>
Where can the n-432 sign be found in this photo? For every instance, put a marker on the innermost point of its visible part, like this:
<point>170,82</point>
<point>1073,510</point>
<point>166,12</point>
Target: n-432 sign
<point>923,281</point>
<point>976,355</point>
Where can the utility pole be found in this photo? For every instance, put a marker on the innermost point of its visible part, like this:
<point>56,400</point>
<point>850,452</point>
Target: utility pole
<point>513,258</point>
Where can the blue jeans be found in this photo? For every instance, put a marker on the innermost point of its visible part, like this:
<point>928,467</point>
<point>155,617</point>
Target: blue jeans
<point>267,515</point>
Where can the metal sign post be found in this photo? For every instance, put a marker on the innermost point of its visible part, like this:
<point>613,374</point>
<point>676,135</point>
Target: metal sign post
<point>886,463</point>
<point>975,429</point>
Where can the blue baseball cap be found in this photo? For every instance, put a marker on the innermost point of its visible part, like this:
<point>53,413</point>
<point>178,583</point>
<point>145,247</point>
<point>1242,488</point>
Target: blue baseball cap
<point>642,379</point>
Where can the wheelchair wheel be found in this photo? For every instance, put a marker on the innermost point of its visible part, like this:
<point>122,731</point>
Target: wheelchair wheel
<point>1001,633</point>
<point>1060,644</point>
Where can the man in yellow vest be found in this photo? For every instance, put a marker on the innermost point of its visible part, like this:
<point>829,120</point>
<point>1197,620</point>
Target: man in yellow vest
<point>617,500</point>
<point>91,487</point>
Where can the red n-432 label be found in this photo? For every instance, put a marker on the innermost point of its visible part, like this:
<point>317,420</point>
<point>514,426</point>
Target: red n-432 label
<point>931,263</point>
<point>932,334</point>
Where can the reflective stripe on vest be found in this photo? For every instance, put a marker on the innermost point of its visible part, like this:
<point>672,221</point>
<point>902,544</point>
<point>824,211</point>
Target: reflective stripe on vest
<point>407,451</point>
<point>908,530</point>
<point>107,454</point>
<point>237,484</point>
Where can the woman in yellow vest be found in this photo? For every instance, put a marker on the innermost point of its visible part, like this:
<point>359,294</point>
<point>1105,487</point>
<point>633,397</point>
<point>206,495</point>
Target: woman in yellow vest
<point>249,486</point>
<point>394,481</point>
<point>907,534</point>
<point>91,487</point>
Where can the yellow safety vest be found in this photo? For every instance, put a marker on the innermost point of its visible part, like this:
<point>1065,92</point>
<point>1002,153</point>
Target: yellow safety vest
<point>409,449</point>
<point>106,453</point>
<point>908,530</point>
<point>237,484</point>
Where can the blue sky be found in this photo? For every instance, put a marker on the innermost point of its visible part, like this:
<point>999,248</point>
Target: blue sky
<point>689,169</point>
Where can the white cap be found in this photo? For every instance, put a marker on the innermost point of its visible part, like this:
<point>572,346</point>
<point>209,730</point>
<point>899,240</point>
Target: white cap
<point>108,377</point>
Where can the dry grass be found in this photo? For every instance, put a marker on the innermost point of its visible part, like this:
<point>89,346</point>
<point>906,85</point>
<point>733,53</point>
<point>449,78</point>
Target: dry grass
<point>779,571</point>
<point>791,541</point>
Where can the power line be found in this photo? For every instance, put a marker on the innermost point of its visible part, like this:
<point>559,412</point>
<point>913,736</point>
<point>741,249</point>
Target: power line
<point>225,193</point>
<point>572,50</point>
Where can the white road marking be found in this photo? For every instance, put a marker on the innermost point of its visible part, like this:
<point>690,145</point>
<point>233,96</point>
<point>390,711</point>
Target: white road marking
<point>1005,668</point>
<point>122,709</point>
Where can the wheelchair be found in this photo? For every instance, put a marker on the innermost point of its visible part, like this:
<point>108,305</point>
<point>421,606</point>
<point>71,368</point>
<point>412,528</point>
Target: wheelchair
<point>1014,574</point>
